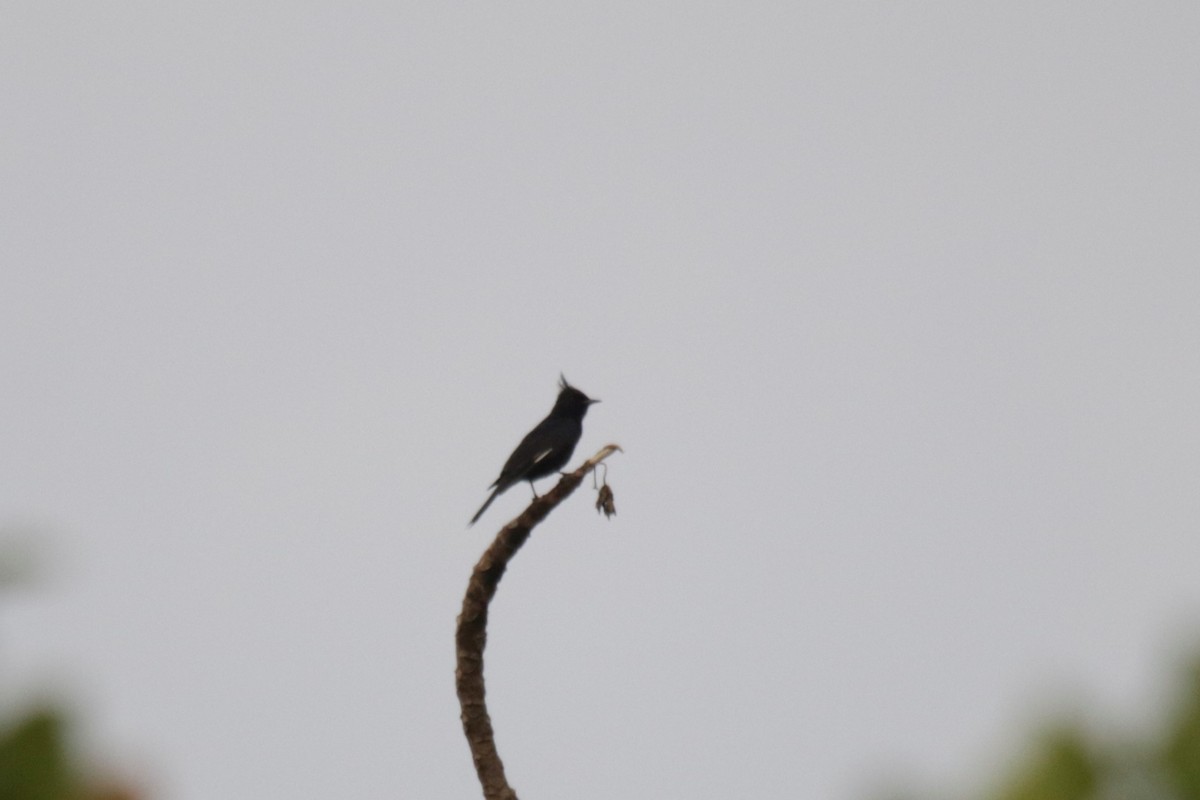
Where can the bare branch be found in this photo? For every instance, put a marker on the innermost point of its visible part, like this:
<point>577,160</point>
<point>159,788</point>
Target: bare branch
<point>471,635</point>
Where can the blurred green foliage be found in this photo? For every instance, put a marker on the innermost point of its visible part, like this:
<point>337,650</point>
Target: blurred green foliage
<point>1071,761</point>
<point>1063,765</point>
<point>1179,754</point>
<point>34,764</point>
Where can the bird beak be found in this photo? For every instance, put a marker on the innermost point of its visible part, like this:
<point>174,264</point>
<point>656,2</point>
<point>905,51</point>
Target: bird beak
<point>592,400</point>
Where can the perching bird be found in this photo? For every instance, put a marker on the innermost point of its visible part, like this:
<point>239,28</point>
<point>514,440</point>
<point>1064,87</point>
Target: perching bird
<point>547,448</point>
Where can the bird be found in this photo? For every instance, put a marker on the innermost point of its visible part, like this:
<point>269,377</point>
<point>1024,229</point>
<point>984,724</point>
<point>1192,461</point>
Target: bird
<point>547,448</point>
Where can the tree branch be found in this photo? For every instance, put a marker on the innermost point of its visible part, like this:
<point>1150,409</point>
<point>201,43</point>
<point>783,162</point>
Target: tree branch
<point>471,635</point>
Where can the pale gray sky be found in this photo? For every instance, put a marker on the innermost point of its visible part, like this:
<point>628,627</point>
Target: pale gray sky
<point>892,306</point>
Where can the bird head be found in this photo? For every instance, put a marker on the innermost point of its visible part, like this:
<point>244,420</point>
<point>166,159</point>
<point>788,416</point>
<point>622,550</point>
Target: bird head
<point>571,400</point>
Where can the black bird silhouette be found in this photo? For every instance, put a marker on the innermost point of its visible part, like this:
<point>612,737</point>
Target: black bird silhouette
<point>547,448</point>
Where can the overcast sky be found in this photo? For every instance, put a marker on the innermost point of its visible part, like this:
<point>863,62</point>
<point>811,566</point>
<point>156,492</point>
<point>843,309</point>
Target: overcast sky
<point>893,307</point>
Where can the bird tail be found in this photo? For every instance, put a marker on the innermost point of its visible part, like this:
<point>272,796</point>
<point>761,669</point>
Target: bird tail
<point>485,505</point>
